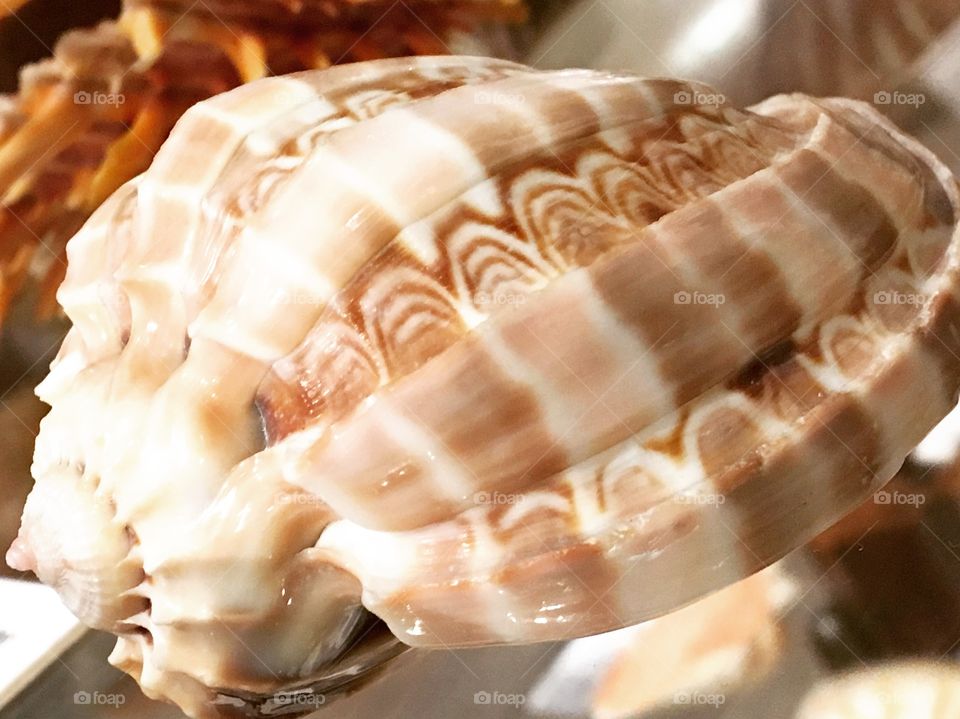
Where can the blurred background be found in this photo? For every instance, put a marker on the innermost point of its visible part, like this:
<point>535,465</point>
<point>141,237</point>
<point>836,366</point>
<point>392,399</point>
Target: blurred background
<point>862,622</point>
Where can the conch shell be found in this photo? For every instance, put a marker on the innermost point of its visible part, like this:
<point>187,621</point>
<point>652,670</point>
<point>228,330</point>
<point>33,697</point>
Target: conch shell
<point>488,354</point>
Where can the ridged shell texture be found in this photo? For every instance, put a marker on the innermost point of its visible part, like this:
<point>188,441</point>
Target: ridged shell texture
<point>494,355</point>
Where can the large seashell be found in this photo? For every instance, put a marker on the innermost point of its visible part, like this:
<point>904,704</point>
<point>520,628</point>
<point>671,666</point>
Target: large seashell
<point>492,354</point>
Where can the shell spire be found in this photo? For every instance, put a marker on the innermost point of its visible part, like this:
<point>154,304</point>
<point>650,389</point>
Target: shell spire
<point>481,354</point>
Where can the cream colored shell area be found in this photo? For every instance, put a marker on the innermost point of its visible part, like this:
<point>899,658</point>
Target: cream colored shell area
<point>173,287</point>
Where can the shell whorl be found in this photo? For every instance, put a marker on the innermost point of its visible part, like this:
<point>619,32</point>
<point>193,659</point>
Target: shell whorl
<point>495,354</point>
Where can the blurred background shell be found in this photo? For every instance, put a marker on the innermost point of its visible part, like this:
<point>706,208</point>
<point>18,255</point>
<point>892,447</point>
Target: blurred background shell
<point>900,55</point>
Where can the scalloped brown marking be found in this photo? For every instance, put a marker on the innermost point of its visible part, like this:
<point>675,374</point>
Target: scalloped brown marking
<point>631,491</point>
<point>677,213</point>
<point>854,350</point>
<point>408,316</point>
<point>841,432</point>
<point>243,194</point>
<point>289,399</point>
<point>526,528</point>
<point>671,442</point>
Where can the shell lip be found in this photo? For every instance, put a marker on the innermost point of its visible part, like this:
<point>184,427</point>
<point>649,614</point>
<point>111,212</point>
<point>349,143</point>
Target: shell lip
<point>370,654</point>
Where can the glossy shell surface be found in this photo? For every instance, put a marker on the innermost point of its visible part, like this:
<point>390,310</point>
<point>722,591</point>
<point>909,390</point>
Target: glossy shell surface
<point>491,354</point>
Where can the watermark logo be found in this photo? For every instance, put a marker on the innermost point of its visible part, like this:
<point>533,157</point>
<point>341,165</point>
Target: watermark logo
<point>692,97</point>
<point>498,299</point>
<point>83,97</point>
<point>299,499</point>
<point>890,297</point>
<point>99,699</point>
<point>701,499</point>
<point>900,499</point>
<point>306,699</point>
<point>487,97</point>
<point>497,498</point>
<point>499,699</point>
<point>911,99</point>
<point>698,298</point>
<point>699,699</point>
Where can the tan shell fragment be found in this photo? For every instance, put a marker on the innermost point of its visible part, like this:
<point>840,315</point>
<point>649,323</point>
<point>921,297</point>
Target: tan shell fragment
<point>493,355</point>
<point>698,654</point>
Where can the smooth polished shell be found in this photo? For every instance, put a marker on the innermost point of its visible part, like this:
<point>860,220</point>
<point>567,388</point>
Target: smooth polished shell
<point>492,354</point>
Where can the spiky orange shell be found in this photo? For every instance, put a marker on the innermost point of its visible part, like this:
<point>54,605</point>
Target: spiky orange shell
<point>92,117</point>
<point>496,355</point>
